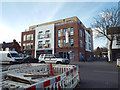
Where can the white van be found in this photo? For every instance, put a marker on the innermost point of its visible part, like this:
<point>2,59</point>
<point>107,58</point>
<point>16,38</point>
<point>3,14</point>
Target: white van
<point>10,57</point>
<point>50,58</point>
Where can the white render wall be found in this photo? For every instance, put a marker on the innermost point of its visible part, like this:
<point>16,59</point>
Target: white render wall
<point>44,28</point>
<point>87,37</point>
<point>114,46</point>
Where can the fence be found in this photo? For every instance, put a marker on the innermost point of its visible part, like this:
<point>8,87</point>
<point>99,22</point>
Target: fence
<point>66,76</point>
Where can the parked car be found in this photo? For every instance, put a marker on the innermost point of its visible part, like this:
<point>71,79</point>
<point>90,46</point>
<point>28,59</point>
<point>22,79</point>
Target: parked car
<point>30,60</point>
<point>10,57</point>
<point>50,58</point>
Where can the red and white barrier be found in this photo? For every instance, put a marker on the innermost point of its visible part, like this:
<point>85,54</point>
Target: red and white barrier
<point>68,79</point>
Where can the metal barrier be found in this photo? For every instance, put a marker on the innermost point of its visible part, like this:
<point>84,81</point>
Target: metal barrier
<point>68,79</point>
<point>66,76</point>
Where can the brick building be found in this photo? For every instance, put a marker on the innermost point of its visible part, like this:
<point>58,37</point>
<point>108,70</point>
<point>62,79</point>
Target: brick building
<point>10,46</point>
<point>28,43</point>
<point>65,37</point>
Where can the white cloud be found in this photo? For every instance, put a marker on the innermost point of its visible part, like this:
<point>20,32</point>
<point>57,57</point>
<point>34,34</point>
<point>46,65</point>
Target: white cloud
<point>7,34</point>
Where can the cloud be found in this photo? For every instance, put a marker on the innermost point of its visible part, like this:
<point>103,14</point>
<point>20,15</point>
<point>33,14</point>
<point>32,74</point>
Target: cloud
<point>7,34</point>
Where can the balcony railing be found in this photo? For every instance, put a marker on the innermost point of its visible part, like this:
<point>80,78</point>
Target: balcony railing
<point>43,46</point>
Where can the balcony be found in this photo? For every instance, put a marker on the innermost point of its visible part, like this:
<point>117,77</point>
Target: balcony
<point>41,36</point>
<point>43,46</point>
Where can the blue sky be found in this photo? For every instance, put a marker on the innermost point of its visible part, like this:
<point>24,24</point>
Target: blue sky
<point>18,16</point>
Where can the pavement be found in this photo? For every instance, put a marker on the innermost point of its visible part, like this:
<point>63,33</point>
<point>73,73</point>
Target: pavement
<point>99,74</point>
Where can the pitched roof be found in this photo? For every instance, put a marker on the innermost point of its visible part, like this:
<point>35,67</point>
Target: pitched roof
<point>8,45</point>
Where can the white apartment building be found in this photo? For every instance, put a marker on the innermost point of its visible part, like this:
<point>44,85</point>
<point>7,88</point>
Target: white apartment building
<point>44,39</point>
<point>88,45</point>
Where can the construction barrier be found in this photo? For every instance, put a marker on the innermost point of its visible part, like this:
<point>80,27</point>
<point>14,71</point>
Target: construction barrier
<point>69,79</point>
<point>62,76</point>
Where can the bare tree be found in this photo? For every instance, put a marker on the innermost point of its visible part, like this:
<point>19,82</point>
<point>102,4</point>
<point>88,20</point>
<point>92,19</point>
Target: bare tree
<point>108,18</point>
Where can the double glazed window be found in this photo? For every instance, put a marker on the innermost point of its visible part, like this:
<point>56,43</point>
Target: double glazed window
<point>28,37</point>
<point>71,31</point>
<point>80,32</point>
<point>31,36</point>
<point>59,43</point>
<point>59,33</point>
<point>31,45</point>
<point>23,46</point>
<point>24,38</point>
<point>72,41</point>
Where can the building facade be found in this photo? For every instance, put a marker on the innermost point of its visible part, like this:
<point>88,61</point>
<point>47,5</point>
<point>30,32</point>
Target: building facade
<point>28,43</point>
<point>70,41</point>
<point>65,37</point>
<point>88,45</point>
<point>116,42</point>
<point>10,46</point>
<point>44,39</point>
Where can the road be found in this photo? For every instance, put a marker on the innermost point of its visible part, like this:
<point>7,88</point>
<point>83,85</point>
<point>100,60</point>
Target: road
<point>99,75</point>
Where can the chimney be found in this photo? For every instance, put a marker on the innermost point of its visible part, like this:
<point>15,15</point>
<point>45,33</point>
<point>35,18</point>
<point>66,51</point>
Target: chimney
<point>14,40</point>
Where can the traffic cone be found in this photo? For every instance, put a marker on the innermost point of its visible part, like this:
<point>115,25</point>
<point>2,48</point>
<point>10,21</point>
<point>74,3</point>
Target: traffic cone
<point>51,70</point>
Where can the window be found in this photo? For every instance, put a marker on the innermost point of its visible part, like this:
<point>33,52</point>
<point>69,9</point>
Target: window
<point>33,28</point>
<point>47,42</point>
<point>59,44</point>
<point>69,21</point>
<point>118,40</point>
<point>81,43</point>
<point>23,46</point>
<point>64,42</point>
<point>59,34</point>
<point>31,36</point>
<point>28,45</point>
<point>40,31</point>
<point>24,38</point>
<point>47,34</point>
<point>80,33</point>
<point>72,41</point>
<point>40,44</point>
<point>31,45</point>
<point>48,31</point>
<point>28,37</point>
<point>64,30</point>
<point>71,31</point>
<point>59,23</point>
